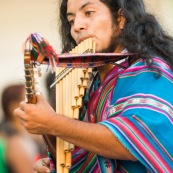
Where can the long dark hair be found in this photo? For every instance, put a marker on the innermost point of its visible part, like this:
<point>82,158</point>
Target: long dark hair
<point>64,28</point>
<point>142,33</point>
<point>10,94</point>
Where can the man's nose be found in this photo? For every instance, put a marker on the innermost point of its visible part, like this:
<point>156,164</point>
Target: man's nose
<point>79,24</point>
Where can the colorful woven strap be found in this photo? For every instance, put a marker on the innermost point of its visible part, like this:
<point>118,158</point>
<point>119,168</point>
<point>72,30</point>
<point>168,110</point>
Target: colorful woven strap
<point>42,52</point>
<point>52,164</point>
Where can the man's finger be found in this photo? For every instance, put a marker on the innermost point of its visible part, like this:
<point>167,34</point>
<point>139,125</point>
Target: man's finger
<point>19,113</point>
<point>22,105</point>
<point>46,161</point>
<point>42,166</point>
<point>42,169</point>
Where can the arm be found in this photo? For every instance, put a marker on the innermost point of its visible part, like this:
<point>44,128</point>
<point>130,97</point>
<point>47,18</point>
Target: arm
<point>41,119</point>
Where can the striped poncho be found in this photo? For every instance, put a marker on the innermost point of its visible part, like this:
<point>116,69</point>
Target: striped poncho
<point>136,105</point>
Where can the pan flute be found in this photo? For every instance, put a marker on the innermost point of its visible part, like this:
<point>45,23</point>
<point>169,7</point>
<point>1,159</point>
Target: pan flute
<point>70,88</point>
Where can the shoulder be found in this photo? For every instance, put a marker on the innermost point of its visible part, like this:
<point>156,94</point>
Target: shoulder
<point>141,67</point>
<point>139,78</point>
<point>13,142</point>
<point>17,156</point>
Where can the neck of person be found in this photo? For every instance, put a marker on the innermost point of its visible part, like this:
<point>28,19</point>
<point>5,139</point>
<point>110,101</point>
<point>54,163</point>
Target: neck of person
<point>105,69</point>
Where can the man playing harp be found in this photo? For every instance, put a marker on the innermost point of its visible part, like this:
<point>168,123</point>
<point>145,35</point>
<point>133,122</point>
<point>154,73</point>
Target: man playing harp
<point>128,124</point>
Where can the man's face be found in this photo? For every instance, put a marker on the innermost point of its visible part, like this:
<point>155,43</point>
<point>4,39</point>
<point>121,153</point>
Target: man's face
<point>92,18</point>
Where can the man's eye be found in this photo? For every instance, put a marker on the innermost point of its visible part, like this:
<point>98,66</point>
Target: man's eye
<point>71,22</point>
<point>88,13</point>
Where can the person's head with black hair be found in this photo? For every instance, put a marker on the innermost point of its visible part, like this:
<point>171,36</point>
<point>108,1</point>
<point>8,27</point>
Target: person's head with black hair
<point>140,32</point>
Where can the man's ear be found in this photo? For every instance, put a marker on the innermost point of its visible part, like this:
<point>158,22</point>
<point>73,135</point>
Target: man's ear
<point>121,19</point>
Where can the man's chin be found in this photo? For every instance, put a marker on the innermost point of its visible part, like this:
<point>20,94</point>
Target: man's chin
<point>110,49</point>
<point>105,51</point>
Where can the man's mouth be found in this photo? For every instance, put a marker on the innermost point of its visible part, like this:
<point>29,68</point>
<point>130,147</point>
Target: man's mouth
<point>82,39</point>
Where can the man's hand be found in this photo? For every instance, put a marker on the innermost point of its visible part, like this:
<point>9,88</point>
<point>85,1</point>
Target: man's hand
<point>34,117</point>
<point>42,166</point>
